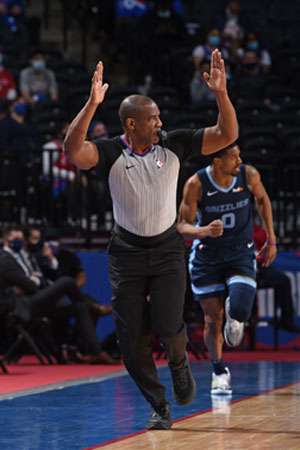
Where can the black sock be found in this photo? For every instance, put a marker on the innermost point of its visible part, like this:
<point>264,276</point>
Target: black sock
<point>219,367</point>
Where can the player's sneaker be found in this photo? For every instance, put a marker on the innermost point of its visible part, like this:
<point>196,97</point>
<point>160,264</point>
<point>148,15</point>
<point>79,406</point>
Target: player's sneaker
<point>233,330</point>
<point>221,404</point>
<point>221,384</point>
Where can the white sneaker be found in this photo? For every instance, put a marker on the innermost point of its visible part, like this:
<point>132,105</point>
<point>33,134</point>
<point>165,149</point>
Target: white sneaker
<point>233,330</point>
<point>220,384</point>
<point>221,404</point>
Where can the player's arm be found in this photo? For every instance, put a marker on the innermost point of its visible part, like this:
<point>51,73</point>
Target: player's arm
<point>226,129</point>
<point>264,209</point>
<point>192,194</point>
<point>81,153</point>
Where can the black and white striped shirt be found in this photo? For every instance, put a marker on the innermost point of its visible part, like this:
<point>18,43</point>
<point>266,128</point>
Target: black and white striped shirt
<point>144,187</point>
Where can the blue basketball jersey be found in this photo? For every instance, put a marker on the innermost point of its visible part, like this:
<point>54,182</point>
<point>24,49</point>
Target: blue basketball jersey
<point>233,205</point>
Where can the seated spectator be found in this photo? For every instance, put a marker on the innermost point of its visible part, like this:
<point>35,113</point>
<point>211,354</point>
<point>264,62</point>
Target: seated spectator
<point>160,29</point>
<point>97,130</point>
<point>13,134</point>
<point>230,22</point>
<point>19,277</point>
<point>53,153</point>
<point>20,110</point>
<point>37,83</point>
<point>202,53</point>
<point>13,29</point>
<point>7,81</point>
<point>270,277</point>
<point>253,45</point>
<point>55,261</point>
<point>199,91</point>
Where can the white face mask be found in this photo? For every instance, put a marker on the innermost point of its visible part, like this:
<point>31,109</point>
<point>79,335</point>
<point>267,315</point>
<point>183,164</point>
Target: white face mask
<point>38,64</point>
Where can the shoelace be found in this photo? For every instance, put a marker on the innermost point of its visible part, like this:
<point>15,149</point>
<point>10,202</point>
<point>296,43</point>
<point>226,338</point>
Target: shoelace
<point>180,376</point>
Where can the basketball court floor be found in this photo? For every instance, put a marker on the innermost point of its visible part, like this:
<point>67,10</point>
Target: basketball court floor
<point>107,412</point>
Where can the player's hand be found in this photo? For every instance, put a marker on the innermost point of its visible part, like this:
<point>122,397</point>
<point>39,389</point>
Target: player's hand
<point>267,254</point>
<point>216,79</point>
<point>215,228</point>
<point>98,89</point>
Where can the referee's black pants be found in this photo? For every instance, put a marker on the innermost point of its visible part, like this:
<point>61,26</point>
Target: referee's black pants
<point>148,288</point>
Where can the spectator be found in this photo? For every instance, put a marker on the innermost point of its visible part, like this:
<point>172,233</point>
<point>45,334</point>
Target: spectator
<point>250,64</point>
<point>16,275</point>
<point>13,30</point>
<point>53,154</point>
<point>159,30</point>
<point>37,83</point>
<point>97,130</point>
<point>7,81</point>
<point>230,21</point>
<point>13,135</point>
<point>55,261</point>
<point>252,44</point>
<point>270,277</point>
<point>202,53</point>
<point>199,91</point>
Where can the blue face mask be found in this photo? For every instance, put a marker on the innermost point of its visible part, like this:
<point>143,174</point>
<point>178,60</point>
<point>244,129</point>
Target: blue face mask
<point>38,64</point>
<point>214,40</point>
<point>20,109</point>
<point>16,245</point>
<point>253,45</point>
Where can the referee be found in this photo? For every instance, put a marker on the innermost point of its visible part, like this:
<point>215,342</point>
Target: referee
<point>146,254</point>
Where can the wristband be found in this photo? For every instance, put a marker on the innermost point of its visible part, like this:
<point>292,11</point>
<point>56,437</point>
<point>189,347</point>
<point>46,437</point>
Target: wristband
<point>271,243</point>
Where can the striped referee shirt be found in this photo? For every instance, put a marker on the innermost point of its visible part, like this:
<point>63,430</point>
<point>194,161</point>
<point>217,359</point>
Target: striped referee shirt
<point>144,187</point>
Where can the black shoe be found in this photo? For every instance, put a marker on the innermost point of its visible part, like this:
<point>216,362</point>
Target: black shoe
<point>184,385</point>
<point>160,418</point>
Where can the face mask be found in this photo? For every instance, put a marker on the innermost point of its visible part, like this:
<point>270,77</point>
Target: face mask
<point>214,40</point>
<point>39,64</point>
<point>35,248</point>
<point>164,14</point>
<point>253,45</point>
<point>20,109</point>
<point>16,245</point>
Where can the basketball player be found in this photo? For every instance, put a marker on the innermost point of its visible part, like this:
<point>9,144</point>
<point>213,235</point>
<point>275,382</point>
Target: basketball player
<point>222,260</point>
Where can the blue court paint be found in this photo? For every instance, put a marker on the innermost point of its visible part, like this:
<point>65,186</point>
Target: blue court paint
<point>77,417</point>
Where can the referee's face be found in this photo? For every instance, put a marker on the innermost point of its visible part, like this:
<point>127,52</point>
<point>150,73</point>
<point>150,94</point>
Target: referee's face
<point>147,125</point>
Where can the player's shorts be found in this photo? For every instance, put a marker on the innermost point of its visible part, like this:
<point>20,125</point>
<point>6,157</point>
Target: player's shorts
<point>211,271</point>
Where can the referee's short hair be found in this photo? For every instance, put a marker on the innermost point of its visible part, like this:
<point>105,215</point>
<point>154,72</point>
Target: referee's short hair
<point>132,105</point>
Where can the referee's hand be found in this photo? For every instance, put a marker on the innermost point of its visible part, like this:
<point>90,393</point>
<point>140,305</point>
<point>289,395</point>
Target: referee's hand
<point>98,89</point>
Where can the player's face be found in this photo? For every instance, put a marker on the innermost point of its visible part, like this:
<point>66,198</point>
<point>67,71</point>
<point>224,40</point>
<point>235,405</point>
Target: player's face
<point>231,162</point>
<point>148,124</point>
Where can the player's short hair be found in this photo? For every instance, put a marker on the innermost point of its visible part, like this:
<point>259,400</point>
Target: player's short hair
<point>223,151</point>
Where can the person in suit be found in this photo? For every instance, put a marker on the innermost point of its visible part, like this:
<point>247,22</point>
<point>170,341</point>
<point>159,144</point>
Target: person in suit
<point>17,275</point>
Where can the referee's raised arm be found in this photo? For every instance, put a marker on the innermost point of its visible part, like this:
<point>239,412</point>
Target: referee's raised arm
<point>84,154</point>
<point>226,129</point>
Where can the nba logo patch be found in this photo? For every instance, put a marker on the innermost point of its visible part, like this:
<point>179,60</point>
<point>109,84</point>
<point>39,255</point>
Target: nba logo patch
<point>159,163</point>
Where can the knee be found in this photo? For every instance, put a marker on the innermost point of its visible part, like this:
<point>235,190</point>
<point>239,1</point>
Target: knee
<point>67,281</point>
<point>242,297</point>
<point>241,312</point>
